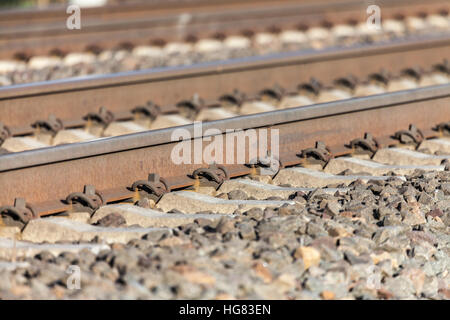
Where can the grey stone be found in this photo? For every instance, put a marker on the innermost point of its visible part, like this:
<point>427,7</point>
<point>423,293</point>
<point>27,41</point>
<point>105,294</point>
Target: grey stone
<point>237,195</point>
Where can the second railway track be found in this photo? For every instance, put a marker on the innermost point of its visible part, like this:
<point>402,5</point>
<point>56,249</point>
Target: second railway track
<point>175,96</point>
<point>247,28</point>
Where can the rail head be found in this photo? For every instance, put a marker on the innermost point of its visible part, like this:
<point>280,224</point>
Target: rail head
<point>218,67</point>
<point>163,136</point>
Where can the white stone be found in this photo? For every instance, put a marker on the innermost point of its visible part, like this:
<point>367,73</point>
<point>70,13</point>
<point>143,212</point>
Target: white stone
<point>401,84</point>
<point>89,3</point>
<point>83,217</point>
<point>308,178</point>
<point>435,78</point>
<point>400,156</point>
<point>11,266</point>
<point>343,30</point>
<point>123,127</point>
<point>4,80</point>
<point>295,101</point>
<point>11,65</point>
<point>10,232</point>
<point>79,57</point>
<point>40,62</point>
<point>333,95</point>
<point>56,229</point>
<point>318,33</point>
<point>394,26</point>
<point>178,47</point>
<point>210,114</point>
<point>191,202</point>
<point>293,36</point>
<point>415,23</point>
<point>237,42</point>
<point>338,165</point>
<point>253,107</point>
<point>261,191</point>
<point>369,89</point>
<point>434,145</point>
<point>171,120</point>
<point>438,21</point>
<point>105,55</point>
<point>18,144</point>
<point>121,54</point>
<point>148,51</point>
<point>265,39</point>
<point>10,249</point>
<point>143,217</point>
<point>363,29</point>
<point>72,136</point>
<point>208,45</point>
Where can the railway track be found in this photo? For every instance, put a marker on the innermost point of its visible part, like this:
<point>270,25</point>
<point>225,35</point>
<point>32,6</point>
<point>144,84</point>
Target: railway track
<point>68,111</point>
<point>387,191</point>
<point>56,12</point>
<point>322,23</point>
<point>303,175</point>
<point>54,173</point>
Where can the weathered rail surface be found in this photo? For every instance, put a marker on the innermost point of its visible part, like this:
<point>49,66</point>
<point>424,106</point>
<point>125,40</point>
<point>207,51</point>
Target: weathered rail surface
<point>70,100</point>
<point>142,25</point>
<point>361,181</point>
<point>57,13</point>
<point>112,165</point>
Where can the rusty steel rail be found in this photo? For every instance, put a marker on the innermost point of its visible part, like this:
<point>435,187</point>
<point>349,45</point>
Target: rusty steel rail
<point>45,177</point>
<point>71,99</point>
<point>55,13</point>
<point>140,26</point>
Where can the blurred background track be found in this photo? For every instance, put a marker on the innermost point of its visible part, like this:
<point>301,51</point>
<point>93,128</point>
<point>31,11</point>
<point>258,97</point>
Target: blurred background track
<point>35,45</point>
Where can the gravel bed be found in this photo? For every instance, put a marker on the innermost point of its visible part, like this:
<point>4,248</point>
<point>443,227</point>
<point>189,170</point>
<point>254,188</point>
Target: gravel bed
<point>379,240</point>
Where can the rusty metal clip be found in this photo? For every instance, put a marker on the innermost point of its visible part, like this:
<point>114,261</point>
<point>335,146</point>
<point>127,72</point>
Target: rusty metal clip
<point>189,108</point>
<point>444,128</point>
<point>414,72</point>
<point>103,116</point>
<point>150,110</point>
<point>410,136</point>
<point>313,86</point>
<point>248,33</point>
<point>89,199</point>
<point>274,29</point>
<point>366,145</point>
<point>442,67</point>
<point>154,187</point>
<point>5,133</point>
<point>51,125</point>
<point>236,97</point>
<point>275,92</point>
<point>215,174</point>
<point>269,164</point>
<point>219,36</point>
<point>19,214</point>
<point>349,81</point>
<point>381,77</point>
<point>319,154</point>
